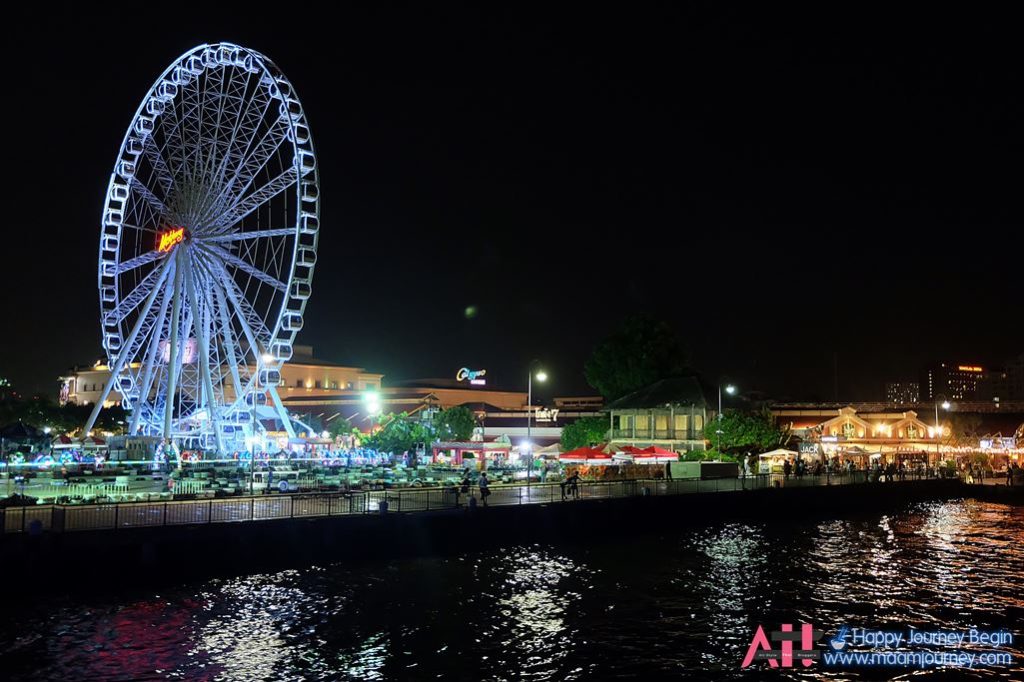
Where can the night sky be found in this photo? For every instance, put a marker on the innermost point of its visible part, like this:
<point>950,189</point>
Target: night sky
<point>783,189</point>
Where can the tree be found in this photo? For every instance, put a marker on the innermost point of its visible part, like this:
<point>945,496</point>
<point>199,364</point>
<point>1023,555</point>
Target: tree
<point>339,426</point>
<point>398,433</point>
<point>742,431</point>
<point>454,424</point>
<point>583,432</point>
<point>641,351</point>
<point>112,419</point>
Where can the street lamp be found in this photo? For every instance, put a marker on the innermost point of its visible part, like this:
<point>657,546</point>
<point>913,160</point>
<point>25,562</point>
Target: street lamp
<point>946,405</point>
<point>372,400</point>
<point>730,389</point>
<point>542,376</point>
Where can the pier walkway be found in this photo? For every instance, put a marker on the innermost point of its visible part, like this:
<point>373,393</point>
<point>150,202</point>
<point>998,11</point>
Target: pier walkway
<point>54,518</point>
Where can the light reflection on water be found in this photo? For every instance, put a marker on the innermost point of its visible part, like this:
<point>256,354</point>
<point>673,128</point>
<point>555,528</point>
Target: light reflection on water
<point>644,606</point>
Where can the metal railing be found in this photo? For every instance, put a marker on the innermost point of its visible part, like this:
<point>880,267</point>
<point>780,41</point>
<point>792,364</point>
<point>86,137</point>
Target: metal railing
<point>111,516</point>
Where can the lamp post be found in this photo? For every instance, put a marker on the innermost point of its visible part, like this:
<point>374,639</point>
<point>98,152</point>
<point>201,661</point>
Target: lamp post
<point>938,429</point>
<point>730,389</point>
<point>541,377</point>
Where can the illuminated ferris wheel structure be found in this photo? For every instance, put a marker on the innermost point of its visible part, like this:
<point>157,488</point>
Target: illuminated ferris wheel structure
<point>207,249</point>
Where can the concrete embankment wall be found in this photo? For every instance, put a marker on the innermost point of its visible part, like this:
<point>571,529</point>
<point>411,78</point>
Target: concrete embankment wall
<point>171,554</point>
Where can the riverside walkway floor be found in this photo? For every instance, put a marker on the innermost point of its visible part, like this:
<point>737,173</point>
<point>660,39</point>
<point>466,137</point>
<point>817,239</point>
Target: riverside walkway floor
<point>53,518</point>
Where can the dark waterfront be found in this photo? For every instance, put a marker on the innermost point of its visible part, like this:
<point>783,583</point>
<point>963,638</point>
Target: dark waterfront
<point>643,607</point>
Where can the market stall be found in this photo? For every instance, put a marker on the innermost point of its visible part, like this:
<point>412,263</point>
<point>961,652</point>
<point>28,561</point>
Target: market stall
<point>772,462</point>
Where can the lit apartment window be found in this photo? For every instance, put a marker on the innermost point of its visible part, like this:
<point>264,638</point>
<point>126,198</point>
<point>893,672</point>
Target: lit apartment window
<point>682,424</point>
<point>641,422</point>
<point>698,421</point>
<point>661,422</point>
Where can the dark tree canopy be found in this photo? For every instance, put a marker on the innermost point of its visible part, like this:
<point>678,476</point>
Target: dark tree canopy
<point>583,432</point>
<point>398,433</point>
<point>339,426</point>
<point>743,431</point>
<point>641,351</point>
<point>454,424</point>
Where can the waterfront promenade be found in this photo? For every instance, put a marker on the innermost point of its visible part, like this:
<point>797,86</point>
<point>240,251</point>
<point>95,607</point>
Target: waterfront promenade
<point>54,518</point>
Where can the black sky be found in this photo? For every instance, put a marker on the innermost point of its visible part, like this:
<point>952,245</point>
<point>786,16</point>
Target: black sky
<point>783,188</point>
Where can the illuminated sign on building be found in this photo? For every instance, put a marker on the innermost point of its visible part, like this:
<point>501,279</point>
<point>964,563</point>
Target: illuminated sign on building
<point>170,238</point>
<point>545,415</point>
<point>472,376</point>
<point>970,368</point>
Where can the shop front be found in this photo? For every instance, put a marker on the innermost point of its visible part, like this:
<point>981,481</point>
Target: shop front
<point>477,454</point>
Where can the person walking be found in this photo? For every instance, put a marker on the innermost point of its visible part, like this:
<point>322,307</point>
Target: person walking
<point>787,469</point>
<point>485,490</point>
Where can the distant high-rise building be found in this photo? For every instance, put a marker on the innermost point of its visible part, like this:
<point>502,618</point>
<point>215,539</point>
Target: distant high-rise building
<point>951,380</point>
<point>1004,384</point>
<point>1015,378</point>
<point>902,392</point>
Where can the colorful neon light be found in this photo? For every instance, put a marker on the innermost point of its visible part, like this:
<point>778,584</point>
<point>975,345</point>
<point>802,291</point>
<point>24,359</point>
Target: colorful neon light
<point>169,239</point>
<point>472,376</point>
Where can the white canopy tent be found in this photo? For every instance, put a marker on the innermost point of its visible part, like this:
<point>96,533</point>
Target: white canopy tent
<point>778,452</point>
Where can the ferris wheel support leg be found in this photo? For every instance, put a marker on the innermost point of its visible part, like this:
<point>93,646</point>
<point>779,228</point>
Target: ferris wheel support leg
<point>281,412</point>
<point>204,354</point>
<point>172,364</point>
<point>147,373</point>
<point>228,336</point>
<point>122,356</point>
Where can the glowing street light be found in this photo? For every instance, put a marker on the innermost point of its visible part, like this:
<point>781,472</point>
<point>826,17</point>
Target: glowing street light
<point>372,400</point>
<point>731,390</point>
<point>542,376</point>
<point>946,405</point>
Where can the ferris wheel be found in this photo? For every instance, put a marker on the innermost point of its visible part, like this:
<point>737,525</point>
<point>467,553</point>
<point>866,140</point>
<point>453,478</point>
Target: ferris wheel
<point>207,249</point>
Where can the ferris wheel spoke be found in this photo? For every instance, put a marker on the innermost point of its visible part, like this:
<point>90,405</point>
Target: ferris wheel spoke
<point>133,226</point>
<point>156,160</point>
<point>150,358</point>
<point>133,263</point>
<point>137,295</point>
<point>122,356</point>
<point>251,321</point>
<point>254,234</point>
<point>150,324</point>
<point>249,269</point>
<point>252,324</point>
<point>158,206</point>
<point>245,131</point>
<point>204,353</point>
<point>233,100</point>
<point>243,207</point>
<point>254,162</point>
<point>227,336</point>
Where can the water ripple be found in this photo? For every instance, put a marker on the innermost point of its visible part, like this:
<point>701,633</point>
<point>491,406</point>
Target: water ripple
<point>646,606</point>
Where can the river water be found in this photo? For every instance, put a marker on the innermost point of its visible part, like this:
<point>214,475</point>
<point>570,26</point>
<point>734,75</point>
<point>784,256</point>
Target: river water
<point>684,605</point>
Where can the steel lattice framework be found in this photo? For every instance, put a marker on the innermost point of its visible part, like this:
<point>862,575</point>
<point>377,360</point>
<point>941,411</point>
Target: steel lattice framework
<point>207,248</point>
